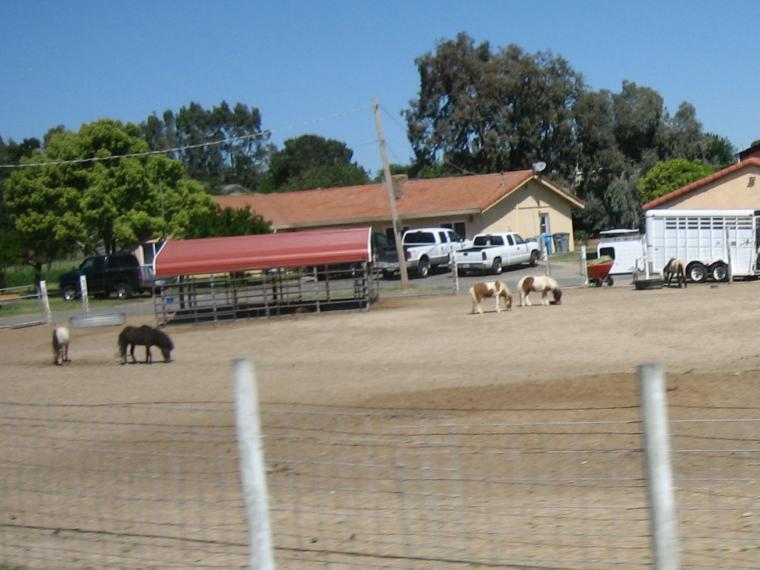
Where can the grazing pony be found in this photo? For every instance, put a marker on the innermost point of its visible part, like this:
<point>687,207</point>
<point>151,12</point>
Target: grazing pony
<point>541,284</point>
<point>674,268</point>
<point>144,336</point>
<point>61,338</point>
<point>497,289</point>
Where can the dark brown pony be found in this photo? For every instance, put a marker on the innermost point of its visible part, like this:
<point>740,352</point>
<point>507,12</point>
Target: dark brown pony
<point>144,336</point>
<point>674,268</point>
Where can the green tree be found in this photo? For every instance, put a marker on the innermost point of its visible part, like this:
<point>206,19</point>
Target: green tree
<point>227,222</point>
<point>670,175</point>
<point>70,201</point>
<point>311,161</point>
<point>238,152</point>
<point>480,110</point>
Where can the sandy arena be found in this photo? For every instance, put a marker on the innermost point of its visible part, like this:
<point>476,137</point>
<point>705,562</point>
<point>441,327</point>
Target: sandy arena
<point>409,359</point>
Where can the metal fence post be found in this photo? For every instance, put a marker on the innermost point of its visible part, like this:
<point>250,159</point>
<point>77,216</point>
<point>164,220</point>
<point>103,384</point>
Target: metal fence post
<point>252,469</point>
<point>659,476</point>
<point>584,265</point>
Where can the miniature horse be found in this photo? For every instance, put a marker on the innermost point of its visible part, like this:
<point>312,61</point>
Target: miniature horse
<point>61,338</point>
<point>543,284</point>
<point>144,336</point>
<point>497,289</point>
<point>674,268</point>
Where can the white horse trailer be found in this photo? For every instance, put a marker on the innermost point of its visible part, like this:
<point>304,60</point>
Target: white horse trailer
<point>625,247</point>
<point>710,242</point>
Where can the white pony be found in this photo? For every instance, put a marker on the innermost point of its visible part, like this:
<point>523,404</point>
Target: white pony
<point>485,290</point>
<point>61,338</point>
<point>675,269</point>
<point>542,284</point>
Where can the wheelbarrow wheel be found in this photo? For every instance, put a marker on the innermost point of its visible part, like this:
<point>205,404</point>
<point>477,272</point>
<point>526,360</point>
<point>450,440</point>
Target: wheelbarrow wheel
<point>597,282</point>
<point>609,281</point>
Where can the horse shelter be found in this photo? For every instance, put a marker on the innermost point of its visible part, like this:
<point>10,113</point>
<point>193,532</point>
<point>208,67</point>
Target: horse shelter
<point>244,277</point>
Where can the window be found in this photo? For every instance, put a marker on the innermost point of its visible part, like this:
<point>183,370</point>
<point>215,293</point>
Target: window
<point>444,236</point>
<point>510,240</point>
<point>608,251</point>
<point>518,239</point>
<point>419,237</point>
<point>458,227</point>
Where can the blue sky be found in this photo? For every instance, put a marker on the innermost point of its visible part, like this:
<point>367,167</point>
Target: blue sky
<point>315,66</point>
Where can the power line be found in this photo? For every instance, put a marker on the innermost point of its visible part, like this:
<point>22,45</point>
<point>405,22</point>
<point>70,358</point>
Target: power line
<point>267,133</point>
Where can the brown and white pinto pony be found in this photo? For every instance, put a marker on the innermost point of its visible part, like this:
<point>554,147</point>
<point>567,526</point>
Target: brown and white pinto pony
<point>485,290</point>
<point>541,284</point>
<point>61,338</point>
<point>674,268</point>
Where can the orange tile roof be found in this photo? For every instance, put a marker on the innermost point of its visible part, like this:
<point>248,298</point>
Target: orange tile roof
<point>354,204</point>
<point>697,184</point>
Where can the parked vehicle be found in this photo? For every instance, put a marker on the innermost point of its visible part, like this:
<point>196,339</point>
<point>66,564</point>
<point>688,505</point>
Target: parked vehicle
<point>118,273</point>
<point>710,242</point>
<point>491,252</point>
<point>624,246</point>
<point>424,249</point>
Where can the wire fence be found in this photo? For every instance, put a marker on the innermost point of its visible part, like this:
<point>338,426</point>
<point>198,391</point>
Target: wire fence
<point>158,486</point>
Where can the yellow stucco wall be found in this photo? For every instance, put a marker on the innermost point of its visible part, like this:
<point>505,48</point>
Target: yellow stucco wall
<point>740,189</point>
<point>520,213</point>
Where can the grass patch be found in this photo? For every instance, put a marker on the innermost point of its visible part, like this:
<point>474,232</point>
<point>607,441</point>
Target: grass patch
<point>22,275</point>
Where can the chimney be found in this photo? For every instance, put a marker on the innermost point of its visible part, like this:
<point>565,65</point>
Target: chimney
<point>399,185</point>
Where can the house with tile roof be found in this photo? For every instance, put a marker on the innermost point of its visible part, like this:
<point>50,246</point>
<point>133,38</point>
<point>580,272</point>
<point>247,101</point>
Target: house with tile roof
<point>734,187</point>
<point>518,201</point>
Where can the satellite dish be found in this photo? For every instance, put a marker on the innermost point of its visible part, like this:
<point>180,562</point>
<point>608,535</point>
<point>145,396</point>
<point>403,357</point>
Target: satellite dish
<point>538,167</point>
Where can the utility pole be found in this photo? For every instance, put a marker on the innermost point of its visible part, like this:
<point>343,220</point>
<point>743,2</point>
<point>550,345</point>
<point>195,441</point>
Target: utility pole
<point>391,197</point>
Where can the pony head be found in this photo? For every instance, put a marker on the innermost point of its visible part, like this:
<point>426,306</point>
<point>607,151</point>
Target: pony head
<point>557,296</point>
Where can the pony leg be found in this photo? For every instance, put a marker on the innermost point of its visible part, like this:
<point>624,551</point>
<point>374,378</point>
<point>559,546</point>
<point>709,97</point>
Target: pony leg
<point>148,356</point>
<point>132,352</point>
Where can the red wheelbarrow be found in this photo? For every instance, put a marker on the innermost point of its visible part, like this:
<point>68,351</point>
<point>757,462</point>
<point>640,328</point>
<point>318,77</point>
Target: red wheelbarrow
<point>598,271</point>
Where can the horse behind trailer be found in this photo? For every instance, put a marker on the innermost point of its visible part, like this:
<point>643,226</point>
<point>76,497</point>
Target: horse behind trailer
<point>146,336</point>
<point>674,268</point>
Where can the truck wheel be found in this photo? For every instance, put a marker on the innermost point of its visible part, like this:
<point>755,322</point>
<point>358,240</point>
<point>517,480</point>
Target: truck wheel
<point>533,258</point>
<point>496,267</point>
<point>69,293</point>
<point>719,271</point>
<point>123,291</point>
<point>697,272</point>
<point>423,268</point>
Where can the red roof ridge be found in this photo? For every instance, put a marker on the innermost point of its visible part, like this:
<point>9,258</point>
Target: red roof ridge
<point>678,192</point>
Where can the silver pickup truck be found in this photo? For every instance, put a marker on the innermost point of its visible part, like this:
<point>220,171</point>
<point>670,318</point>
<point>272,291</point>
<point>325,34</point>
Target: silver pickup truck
<point>490,252</point>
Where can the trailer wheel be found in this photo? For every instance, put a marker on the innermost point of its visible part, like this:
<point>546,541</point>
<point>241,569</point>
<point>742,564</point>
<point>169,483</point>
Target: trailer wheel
<point>719,271</point>
<point>697,272</point>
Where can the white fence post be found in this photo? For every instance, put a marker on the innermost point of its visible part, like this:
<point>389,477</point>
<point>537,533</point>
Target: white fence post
<point>584,265</point>
<point>85,297</point>
<point>45,301</point>
<point>454,271</point>
<point>252,469</point>
<point>659,476</point>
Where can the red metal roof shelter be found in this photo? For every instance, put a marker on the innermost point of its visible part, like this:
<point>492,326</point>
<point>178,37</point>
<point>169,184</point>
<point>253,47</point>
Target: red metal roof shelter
<point>241,253</point>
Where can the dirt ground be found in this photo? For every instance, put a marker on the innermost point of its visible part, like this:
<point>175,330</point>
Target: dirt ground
<point>420,358</point>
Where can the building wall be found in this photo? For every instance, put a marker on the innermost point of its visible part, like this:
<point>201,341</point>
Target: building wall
<point>520,213</point>
<point>740,189</point>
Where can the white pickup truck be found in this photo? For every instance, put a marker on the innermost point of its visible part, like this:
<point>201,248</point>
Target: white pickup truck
<point>424,249</point>
<point>493,251</point>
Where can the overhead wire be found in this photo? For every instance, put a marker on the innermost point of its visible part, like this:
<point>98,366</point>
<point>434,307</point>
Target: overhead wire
<point>227,140</point>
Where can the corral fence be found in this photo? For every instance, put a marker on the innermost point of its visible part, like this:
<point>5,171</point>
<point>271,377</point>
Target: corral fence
<point>267,293</point>
<point>24,306</point>
<point>175,486</point>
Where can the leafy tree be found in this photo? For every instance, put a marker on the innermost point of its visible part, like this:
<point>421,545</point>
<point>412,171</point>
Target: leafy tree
<point>486,111</point>
<point>110,203</point>
<point>670,175</point>
<point>227,222</point>
<point>311,161</point>
<point>239,150</point>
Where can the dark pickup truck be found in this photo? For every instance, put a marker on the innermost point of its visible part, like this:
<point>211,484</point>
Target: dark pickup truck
<point>118,273</point>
